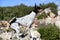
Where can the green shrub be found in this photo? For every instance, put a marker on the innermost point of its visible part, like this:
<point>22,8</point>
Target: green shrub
<point>43,15</point>
<point>49,32</point>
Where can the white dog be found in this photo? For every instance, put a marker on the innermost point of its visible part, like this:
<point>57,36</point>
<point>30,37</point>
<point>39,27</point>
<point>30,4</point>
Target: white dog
<point>25,20</point>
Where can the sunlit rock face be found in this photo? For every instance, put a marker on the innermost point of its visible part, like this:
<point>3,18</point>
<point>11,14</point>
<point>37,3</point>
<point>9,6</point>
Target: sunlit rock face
<point>5,36</point>
<point>57,22</point>
<point>11,35</point>
<point>58,12</point>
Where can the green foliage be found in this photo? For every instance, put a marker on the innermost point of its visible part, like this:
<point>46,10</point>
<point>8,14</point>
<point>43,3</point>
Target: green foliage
<point>52,5</point>
<point>49,32</point>
<point>53,8</point>
<point>43,15</point>
<point>6,13</point>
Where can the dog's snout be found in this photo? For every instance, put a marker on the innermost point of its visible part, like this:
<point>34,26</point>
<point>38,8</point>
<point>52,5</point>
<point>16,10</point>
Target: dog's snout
<point>34,38</point>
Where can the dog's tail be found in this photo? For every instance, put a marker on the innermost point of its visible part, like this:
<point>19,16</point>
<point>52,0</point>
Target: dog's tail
<point>12,20</point>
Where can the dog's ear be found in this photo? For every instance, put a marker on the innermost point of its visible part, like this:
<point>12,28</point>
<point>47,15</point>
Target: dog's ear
<point>37,8</point>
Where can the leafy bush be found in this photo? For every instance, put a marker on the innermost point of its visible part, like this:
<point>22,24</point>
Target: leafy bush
<point>49,32</point>
<point>43,15</point>
<point>6,13</point>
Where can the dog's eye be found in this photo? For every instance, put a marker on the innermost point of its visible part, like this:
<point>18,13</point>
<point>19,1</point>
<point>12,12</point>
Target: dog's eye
<point>30,36</point>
